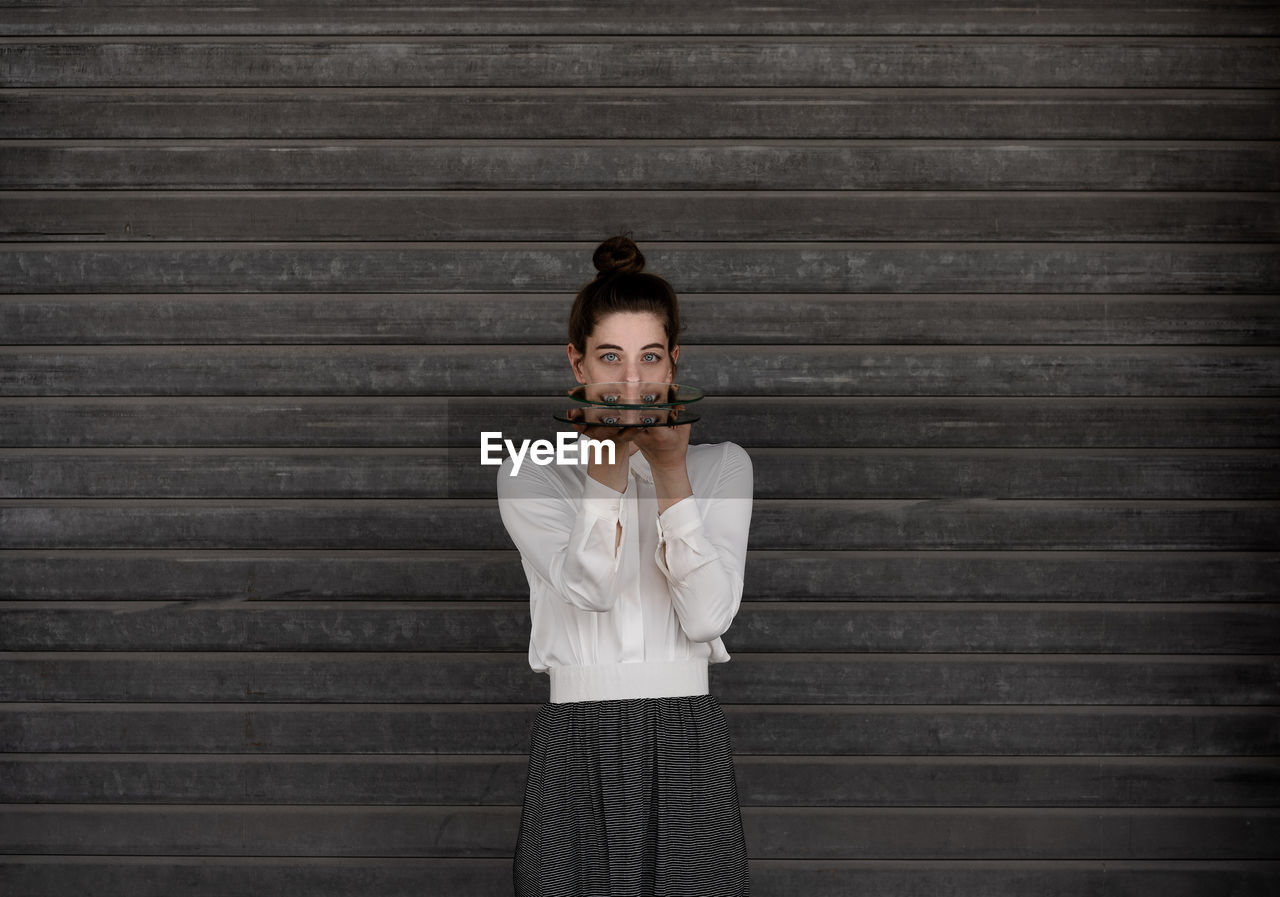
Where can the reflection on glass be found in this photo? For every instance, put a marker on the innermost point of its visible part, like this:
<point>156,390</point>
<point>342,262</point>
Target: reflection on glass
<point>622,416</point>
<point>635,393</point>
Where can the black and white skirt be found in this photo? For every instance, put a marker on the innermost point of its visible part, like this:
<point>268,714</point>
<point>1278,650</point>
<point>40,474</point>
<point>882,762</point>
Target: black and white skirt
<point>633,797</point>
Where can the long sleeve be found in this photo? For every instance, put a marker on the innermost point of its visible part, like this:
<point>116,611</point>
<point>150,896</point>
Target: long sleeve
<point>569,540</point>
<point>702,552</point>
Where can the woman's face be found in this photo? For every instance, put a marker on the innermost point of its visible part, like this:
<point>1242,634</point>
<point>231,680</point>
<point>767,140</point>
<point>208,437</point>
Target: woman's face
<point>625,346</point>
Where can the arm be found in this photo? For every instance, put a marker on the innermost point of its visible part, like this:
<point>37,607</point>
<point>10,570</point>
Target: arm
<point>570,541</point>
<point>702,553</point>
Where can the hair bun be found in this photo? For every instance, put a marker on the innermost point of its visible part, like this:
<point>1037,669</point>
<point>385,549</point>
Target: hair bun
<point>618,253</point>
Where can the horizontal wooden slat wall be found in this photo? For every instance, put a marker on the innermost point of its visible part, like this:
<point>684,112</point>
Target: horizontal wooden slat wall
<point>989,293</point>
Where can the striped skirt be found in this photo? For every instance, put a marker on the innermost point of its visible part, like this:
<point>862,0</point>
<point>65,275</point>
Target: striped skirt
<point>631,798</point>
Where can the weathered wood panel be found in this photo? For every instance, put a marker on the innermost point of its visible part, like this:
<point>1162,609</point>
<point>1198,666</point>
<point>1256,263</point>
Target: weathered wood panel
<point>404,876</point>
<point>843,832</point>
<point>988,293</point>
<point>732,318</point>
<point>919,730</point>
<point>668,61</point>
<point>802,473</point>
<point>773,678</point>
<point>666,17</point>
<point>764,780</point>
<point>638,113</point>
<point>796,626</point>
<point>1056,267</point>
<point>771,216</point>
<point>1024,422</point>
<point>1113,578</point>
<point>820,524</point>
<point>540,371</point>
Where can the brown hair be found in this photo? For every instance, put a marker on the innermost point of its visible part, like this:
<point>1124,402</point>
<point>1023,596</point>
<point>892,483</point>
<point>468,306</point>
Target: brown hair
<point>622,284</point>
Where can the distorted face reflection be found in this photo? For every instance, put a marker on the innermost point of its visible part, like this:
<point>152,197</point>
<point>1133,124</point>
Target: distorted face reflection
<point>625,346</point>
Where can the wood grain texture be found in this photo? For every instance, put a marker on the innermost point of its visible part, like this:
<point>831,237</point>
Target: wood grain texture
<point>1111,577</point>
<point>325,677</point>
<point>987,292</point>
<point>86,217</point>
<point>243,726</point>
<point>794,473</point>
<point>585,114</point>
<point>665,17</point>
<point>843,832</point>
<point>470,780</point>
<point>784,627</point>
<point>541,371</point>
<point>1028,422</point>
<point>980,524</point>
<point>706,319</point>
<point>1056,267</point>
<point>491,877</point>
<point>661,61</point>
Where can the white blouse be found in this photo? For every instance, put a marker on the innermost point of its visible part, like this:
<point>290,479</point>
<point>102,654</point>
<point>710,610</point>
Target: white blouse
<point>673,585</point>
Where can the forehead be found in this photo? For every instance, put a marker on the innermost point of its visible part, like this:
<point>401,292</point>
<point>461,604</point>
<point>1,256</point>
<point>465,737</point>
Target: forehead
<point>629,327</point>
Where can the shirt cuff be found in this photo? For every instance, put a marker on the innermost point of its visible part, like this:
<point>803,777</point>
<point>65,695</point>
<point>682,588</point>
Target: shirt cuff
<point>600,500</point>
<point>681,519</point>
<point>679,532</point>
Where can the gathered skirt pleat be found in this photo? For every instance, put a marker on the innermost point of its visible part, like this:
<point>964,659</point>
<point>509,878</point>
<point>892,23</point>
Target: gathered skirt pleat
<point>634,797</point>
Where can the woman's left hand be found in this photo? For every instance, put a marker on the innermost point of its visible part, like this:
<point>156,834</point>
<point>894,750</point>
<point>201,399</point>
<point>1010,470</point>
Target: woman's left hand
<point>664,447</point>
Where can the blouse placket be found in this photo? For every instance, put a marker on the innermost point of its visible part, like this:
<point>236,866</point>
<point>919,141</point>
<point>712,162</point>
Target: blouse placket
<point>629,611</point>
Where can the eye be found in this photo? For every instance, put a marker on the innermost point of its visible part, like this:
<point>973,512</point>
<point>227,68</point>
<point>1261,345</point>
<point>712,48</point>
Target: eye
<point>610,420</point>
<point>610,400</point>
<point>649,420</point>
<point>649,398</point>
<point>607,354</point>
<point>653,355</point>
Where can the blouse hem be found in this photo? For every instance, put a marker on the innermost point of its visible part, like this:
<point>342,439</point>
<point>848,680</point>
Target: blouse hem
<point>638,679</point>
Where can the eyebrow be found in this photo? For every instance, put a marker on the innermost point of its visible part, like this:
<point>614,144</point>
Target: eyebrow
<point>642,348</point>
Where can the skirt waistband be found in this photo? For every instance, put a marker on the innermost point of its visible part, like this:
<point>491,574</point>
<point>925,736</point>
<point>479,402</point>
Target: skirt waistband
<point>640,679</point>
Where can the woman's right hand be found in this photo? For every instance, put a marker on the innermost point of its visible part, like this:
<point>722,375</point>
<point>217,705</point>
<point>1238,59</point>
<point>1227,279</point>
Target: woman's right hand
<point>623,438</point>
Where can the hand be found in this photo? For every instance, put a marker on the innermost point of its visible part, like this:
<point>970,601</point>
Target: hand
<point>619,436</point>
<point>664,447</point>
<point>612,475</point>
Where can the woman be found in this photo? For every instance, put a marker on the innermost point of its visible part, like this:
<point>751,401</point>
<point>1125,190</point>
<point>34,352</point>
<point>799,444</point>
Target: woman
<point>635,570</point>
